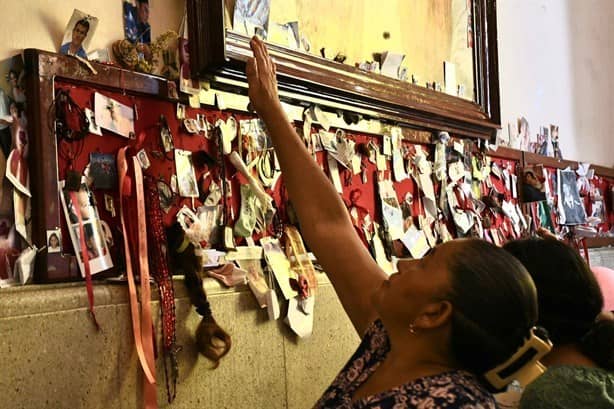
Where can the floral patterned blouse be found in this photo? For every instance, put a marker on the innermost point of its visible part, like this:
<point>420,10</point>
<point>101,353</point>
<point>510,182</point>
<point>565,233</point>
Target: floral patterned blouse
<point>453,389</point>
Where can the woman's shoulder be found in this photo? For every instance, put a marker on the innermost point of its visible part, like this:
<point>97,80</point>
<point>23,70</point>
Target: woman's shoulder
<point>570,374</point>
<point>571,387</point>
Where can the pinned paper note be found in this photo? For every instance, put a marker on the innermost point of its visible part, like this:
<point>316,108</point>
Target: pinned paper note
<point>449,75</point>
<point>279,264</point>
<point>380,162</point>
<point>415,241</point>
<point>456,171</point>
<point>333,170</point>
<point>391,64</point>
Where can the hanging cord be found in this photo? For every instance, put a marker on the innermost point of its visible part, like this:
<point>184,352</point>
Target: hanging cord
<point>161,274</point>
<point>63,106</point>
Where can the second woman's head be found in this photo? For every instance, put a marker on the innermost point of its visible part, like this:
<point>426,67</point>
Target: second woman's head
<point>570,299</point>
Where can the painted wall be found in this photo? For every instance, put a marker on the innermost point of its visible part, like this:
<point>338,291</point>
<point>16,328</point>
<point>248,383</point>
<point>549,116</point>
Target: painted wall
<point>555,58</point>
<point>41,23</point>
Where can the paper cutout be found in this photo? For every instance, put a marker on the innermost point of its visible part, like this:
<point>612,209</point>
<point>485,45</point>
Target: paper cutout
<point>279,264</point>
<point>113,116</point>
<point>415,241</point>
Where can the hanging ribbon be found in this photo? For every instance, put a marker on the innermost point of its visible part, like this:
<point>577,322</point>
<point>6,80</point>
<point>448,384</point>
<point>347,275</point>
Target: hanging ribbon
<point>85,258</point>
<point>142,324</point>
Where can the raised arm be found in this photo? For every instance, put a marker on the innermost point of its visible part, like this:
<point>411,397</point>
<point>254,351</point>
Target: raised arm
<point>325,222</point>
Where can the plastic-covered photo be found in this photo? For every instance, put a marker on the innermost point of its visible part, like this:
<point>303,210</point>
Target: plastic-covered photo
<point>185,174</point>
<point>78,34</point>
<point>533,184</point>
<point>571,208</point>
<point>82,205</point>
<point>136,21</point>
<point>252,17</point>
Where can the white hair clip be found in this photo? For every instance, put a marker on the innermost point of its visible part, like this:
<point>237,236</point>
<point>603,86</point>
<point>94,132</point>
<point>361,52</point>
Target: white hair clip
<point>524,365</point>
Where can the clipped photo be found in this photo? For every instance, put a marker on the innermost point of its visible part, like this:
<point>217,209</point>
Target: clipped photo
<point>78,34</point>
<point>533,184</point>
<point>571,207</point>
<point>82,205</point>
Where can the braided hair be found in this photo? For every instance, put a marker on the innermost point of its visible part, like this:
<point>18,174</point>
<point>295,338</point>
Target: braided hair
<point>211,340</point>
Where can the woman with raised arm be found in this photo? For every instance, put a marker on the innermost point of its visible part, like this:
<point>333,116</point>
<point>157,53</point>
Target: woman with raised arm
<point>431,331</point>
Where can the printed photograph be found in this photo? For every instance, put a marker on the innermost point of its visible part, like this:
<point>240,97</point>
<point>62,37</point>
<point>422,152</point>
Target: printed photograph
<point>84,202</point>
<point>571,207</point>
<point>53,241</point>
<point>533,188</point>
<point>78,34</point>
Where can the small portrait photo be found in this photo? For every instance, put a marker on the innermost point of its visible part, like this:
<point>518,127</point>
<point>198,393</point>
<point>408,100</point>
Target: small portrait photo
<point>571,207</point>
<point>186,176</point>
<point>533,184</point>
<point>524,135</point>
<point>94,128</point>
<point>166,195</point>
<point>53,241</point>
<point>554,135</point>
<point>180,111</point>
<point>109,204</point>
<point>166,138</point>
<point>597,210</point>
<point>78,34</point>
<point>143,159</point>
<point>84,200</point>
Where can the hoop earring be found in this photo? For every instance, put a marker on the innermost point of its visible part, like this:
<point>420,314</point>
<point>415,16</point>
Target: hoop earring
<point>412,329</point>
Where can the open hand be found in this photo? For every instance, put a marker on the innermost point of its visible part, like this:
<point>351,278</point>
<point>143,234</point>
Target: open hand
<point>261,76</point>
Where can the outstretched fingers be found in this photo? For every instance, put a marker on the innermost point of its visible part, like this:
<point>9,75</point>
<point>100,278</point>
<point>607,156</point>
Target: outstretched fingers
<point>263,61</point>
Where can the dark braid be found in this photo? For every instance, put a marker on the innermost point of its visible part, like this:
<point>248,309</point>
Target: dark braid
<point>211,340</point>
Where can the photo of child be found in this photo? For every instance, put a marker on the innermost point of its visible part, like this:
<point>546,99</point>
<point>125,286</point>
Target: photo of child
<point>53,241</point>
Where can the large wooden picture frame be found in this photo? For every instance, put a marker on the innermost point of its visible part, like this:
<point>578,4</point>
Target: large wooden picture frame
<point>42,70</point>
<point>219,55</point>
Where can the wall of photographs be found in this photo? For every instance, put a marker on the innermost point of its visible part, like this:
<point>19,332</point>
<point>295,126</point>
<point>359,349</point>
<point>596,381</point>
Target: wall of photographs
<point>404,191</point>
